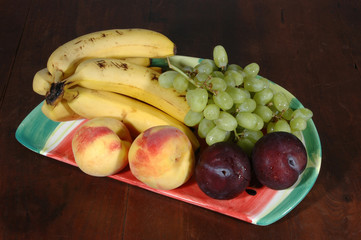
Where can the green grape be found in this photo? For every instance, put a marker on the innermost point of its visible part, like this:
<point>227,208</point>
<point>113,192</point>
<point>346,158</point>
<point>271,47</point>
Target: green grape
<point>188,69</point>
<point>210,98</point>
<point>218,74</point>
<point>239,79</point>
<point>259,123</point>
<point>223,100</point>
<point>251,69</point>
<point>204,127</point>
<point>246,145</point>
<point>205,67</point>
<point>233,78</point>
<point>253,136</point>
<point>191,87</point>
<point>264,96</point>
<point>226,121</point>
<point>298,124</point>
<point>217,84</point>
<point>192,118</point>
<point>220,56</point>
<point>253,84</point>
<point>166,79</point>
<point>247,120</point>
<point>216,135</point>
<point>244,74</point>
<point>246,92</point>
<point>231,82</point>
<point>264,112</point>
<point>180,83</point>
<point>234,67</point>
<point>210,61</point>
<point>238,95</point>
<point>280,101</point>
<point>266,82</point>
<point>298,134</point>
<point>287,114</point>
<point>197,99</point>
<point>270,127</point>
<point>201,78</point>
<point>228,136</point>
<point>248,105</point>
<point>211,111</point>
<point>282,126</point>
<point>304,113</point>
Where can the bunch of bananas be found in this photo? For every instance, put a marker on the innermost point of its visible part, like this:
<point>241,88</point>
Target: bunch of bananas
<point>108,74</point>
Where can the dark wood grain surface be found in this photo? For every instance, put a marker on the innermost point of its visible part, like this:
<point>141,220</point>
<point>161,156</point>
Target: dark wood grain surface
<point>311,48</point>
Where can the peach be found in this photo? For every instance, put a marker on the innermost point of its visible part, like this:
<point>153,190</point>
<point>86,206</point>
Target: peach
<point>100,146</point>
<point>162,157</point>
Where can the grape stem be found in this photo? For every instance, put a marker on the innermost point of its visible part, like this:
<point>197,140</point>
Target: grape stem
<point>237,135</point>
<point>171,66</point>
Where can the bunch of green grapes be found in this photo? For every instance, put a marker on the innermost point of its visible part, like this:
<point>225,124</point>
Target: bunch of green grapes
<point>231,103</point>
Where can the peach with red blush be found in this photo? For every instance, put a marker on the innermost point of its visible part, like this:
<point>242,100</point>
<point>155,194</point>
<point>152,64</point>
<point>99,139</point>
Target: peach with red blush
<point>100,146</point>
<point>162,157</point>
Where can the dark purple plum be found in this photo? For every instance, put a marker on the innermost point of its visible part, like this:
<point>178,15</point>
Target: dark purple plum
<point>278,159</point>
<point>223,170</point>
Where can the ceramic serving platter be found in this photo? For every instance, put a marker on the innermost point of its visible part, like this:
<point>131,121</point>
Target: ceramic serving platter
<point>257,205</point>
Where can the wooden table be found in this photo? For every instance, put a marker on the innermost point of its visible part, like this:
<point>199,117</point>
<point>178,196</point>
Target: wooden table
<point>311,48</point>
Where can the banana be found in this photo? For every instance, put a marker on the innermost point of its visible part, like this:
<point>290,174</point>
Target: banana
<point>116,43</point>
<point>42,79</point>
<point>119,76</point>
<point>42,82</point>
<point>136,115</point>
<point>60,112</point>
<point>142,61</point>
<point>157,69</point>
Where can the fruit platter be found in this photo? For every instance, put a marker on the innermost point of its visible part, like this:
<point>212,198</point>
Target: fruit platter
<point>61,127</point>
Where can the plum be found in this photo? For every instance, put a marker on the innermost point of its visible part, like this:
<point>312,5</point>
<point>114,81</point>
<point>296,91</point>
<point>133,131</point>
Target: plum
<point>223,170</point>
<point>278,159</point>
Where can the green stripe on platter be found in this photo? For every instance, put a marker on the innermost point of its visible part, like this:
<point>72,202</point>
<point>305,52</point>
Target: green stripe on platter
<point>35,129</point>
<point>309,177</point>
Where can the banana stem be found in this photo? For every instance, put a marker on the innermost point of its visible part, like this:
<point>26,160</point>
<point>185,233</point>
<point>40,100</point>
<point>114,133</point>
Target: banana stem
<point>55,94</point>
<point>58,75</point>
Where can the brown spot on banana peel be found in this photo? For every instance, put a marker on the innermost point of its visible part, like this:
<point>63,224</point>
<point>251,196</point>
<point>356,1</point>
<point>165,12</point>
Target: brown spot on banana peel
<point>101,63</point>
<point>123,66</point>
<point>119,32</point>
<point>93,39</point>
<point>154,77</point>
<point>183,96</point>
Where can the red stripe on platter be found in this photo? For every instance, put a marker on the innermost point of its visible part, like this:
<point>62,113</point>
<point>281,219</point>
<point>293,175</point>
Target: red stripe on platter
<point>245,207</point>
